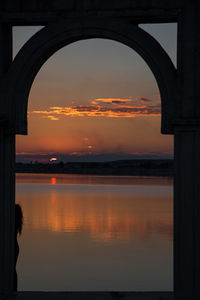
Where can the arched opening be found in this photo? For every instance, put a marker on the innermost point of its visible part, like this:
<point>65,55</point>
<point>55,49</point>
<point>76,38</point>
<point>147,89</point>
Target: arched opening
<point>113,100</point>
<point>53,37</point>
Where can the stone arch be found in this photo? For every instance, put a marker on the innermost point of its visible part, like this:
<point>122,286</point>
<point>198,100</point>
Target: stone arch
<point>19,78</point>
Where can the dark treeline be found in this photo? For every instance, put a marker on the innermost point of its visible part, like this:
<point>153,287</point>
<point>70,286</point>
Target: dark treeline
<point>138,167</point>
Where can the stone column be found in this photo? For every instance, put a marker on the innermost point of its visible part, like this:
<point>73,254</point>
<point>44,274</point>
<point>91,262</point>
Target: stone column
<point>7,200</point>
<point>187,157</point>
<point>7,175</point>
<point>187,212</point>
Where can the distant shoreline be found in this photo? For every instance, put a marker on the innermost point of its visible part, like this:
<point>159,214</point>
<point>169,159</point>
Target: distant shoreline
<point>143,167</point>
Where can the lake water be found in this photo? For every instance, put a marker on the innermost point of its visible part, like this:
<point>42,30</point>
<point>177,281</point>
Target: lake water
<point>95,233</point>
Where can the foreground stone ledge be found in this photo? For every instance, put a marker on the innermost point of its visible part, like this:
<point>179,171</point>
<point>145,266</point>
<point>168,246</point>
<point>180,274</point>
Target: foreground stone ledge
<point>93,296</point>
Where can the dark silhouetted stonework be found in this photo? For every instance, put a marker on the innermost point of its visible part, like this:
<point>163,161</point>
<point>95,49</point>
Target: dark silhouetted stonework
<point>66,21</point>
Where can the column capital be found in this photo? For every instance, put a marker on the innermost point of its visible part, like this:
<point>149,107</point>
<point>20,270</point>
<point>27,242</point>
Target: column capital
<point>190,125</point>
<point>5,125</point>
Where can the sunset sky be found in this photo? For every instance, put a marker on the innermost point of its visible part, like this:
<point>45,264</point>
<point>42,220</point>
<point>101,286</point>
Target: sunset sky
<point>95,100</point>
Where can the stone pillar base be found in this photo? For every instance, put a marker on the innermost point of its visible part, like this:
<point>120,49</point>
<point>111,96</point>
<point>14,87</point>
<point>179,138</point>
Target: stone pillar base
<point>187,213</point>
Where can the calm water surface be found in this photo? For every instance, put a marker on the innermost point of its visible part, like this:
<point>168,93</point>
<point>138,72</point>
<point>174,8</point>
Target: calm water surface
<point>95,233</point>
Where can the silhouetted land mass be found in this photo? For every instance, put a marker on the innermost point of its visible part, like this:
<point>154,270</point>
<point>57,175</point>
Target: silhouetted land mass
<point>138,167</point>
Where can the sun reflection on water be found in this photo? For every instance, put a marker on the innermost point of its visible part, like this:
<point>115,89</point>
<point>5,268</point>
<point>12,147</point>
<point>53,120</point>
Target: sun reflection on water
<point>104,217</point>
<point>53,180</point>
<point>121,233</point>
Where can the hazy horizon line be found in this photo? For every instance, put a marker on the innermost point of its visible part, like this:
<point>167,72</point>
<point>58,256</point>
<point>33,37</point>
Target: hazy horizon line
<point>90,157</point>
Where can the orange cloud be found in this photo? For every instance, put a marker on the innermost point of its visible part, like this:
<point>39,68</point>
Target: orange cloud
<point>145,100</point>
<point>113,100</point>
<point>53,118</point>
<point>108,107</point>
